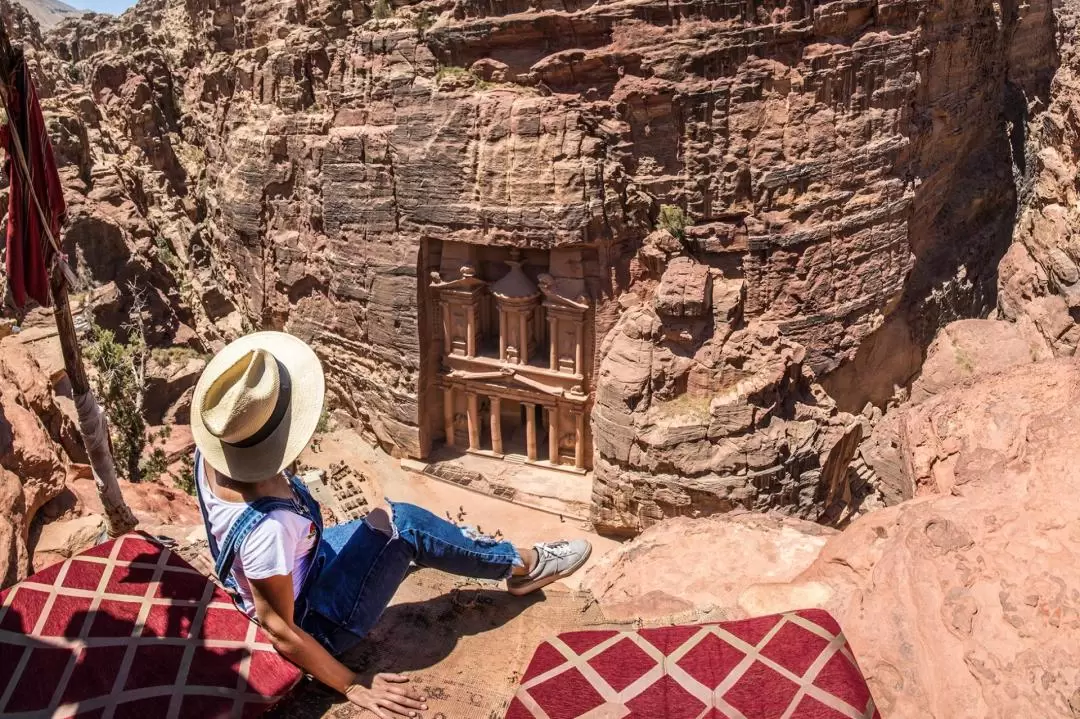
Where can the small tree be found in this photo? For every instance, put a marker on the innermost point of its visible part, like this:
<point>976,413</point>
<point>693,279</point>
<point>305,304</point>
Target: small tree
<point>185,480</point>
<point>381,10</point>
<point>120,383</point>
<point>422,20</point>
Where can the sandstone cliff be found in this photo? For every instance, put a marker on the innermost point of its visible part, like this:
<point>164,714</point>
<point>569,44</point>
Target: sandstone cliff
<point>1039,277</point>
<point>844,171</point>
<point>959,603</point>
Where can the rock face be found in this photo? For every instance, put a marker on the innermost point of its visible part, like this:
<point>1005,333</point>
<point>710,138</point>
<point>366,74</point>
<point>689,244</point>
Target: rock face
<point>699,411</point>
<point>48,12</point>
<point>961,603</point>
<point>686,564</point>
<point>1039,277</point>
<point>275,165</point>
<point>969,350</point>
<point>32,465</point>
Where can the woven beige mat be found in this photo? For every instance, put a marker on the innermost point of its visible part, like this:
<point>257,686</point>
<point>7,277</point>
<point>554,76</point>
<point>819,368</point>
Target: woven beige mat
<point>464,644</point>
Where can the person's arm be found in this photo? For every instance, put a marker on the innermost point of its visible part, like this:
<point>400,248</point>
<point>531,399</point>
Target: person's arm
<point>274,606</point>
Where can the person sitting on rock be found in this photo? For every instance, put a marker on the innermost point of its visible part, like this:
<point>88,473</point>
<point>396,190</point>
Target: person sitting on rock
<point>317,592</point>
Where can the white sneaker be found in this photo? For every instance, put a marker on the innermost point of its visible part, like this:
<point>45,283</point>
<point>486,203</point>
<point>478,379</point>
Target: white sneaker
<point>554,561</point>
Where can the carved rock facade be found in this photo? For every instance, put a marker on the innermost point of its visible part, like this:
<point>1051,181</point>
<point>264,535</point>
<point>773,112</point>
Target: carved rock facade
<point>838,169</point>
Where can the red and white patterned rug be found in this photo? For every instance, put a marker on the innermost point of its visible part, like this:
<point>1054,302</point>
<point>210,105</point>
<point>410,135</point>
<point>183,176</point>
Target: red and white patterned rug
<point>129,629</point>
<point>785,666</point>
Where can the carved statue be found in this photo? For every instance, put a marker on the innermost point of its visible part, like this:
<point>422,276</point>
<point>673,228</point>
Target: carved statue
<point>467,271</point>
<point>547,286</point>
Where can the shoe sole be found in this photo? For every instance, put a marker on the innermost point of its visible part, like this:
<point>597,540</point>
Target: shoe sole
<point>520,591</point>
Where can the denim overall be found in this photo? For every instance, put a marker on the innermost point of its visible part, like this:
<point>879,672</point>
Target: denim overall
<point>302,503</point>
<point>357,567</point>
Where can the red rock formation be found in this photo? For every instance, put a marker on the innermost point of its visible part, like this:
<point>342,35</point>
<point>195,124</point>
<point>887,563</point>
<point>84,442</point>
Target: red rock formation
<point>1039,277</point>
<point>684,565</point>
<point>961,603</point>
<point>699,411</point>
<point>32,465</point>
<point>842,169</point>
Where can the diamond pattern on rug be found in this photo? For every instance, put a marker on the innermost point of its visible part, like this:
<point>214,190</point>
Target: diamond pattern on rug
<point>582,642</point>
<point>622,664</point>
<point>668,639</point>
<point>131,616</point>
<point>795,665</point>
<point>795,648</point>
<point>711,660</point>
<point>747,695</point>
<point>835,678</point>
<point>567,695</point>
<point>666,698</point>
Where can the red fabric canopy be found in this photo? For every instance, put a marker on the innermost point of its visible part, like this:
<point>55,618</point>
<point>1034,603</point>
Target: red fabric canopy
<point>28,250</point>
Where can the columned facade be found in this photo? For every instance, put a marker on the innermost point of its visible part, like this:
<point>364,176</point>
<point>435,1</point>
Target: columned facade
<point>513,376</point>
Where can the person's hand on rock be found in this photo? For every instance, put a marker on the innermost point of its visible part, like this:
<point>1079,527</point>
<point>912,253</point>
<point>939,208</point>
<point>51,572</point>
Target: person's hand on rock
<point>388,694</point>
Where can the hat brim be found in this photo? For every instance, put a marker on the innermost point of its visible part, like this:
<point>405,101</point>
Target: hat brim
<point>284,445</point>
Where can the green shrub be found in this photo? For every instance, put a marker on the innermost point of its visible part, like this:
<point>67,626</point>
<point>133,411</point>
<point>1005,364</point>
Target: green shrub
<point>422,20</point>
<point>674,220</point>
<point>120,385</point>
<point>452,72</point>
<point>381,10</point>
<point>324,422</point>
<point>186,480</point>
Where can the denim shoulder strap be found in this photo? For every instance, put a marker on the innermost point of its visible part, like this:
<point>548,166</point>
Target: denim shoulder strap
<point>309,502</point>
<point>244,525</point>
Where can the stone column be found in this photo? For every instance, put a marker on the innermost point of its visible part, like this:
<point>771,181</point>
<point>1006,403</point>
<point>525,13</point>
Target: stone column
<point>579,441</point>
<point>474,420</point>
<point>496,425</point>
<point>579,350</point>
<point>523,339</point>
<point>553,435</point>
<point>502,335</point>
<point>470,333</point>
<point>447,329</point>
<point>448,414</point>
<point>553,332</point>
<point>530,430</point>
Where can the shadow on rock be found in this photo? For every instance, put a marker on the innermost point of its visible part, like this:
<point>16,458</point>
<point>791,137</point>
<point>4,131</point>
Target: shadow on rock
<point>412,637</point>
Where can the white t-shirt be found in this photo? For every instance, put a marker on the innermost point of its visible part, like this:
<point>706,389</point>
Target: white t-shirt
<point>281,544</point>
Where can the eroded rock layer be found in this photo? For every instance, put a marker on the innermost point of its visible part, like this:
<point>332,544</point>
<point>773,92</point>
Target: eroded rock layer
<point>961,603</point>
<point>834,173</point>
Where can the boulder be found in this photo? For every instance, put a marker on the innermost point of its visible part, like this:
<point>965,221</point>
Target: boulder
<point>32,465</point>
<point>685,289</point>
<point>60,540</point>
<point>160,509</point>
<point>967,350</point>
<point>697,564</point>
<point>963,603</point>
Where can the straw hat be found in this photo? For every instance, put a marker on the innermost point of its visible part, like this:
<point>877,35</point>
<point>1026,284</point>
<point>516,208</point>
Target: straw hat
<point>257,404</point>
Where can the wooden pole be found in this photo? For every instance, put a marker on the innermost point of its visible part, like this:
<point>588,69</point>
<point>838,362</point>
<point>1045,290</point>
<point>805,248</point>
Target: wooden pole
<point>93,424</point>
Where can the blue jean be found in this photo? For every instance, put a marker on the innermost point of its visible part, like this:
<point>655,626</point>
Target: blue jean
<point>361,567</point>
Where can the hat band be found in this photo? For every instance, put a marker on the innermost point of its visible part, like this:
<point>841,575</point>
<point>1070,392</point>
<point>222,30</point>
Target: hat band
<point>282,406</point>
